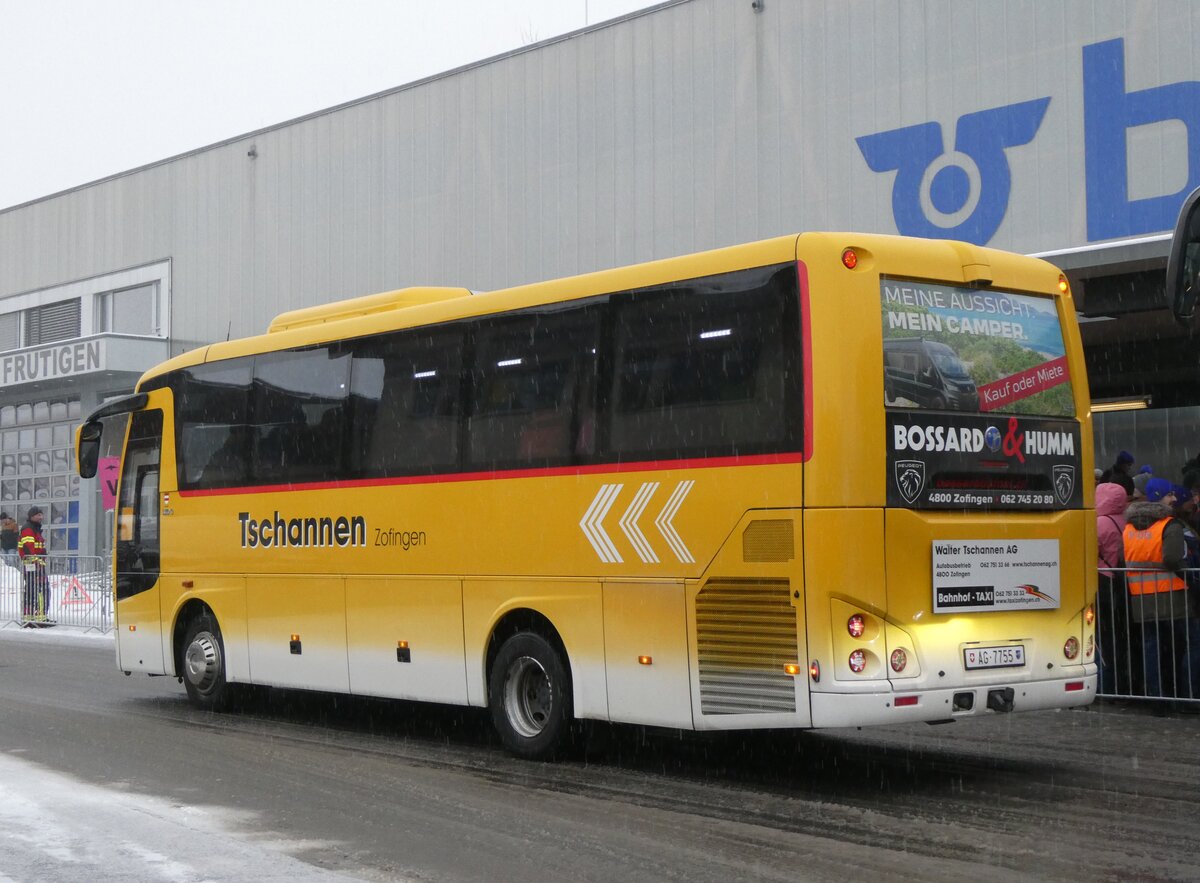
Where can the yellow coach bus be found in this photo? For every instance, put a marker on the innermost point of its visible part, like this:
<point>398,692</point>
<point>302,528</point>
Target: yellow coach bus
<point>821,480</point>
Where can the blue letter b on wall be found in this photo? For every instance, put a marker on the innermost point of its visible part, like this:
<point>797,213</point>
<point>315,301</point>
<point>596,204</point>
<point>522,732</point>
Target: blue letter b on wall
<point>1109,112</point>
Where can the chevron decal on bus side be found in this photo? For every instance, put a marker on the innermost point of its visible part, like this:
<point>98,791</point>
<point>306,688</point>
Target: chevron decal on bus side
<point>592,527</point>
<point>630,527</point>
<point>663,522</point>
<point>592,523</point>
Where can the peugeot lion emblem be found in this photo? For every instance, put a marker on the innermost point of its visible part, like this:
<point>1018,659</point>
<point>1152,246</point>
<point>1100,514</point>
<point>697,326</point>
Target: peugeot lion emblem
<point>910,479</point>
<point>1064,482</point>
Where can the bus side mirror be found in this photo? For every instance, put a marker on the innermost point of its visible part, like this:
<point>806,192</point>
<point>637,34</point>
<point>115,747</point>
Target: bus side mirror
<point>87,447</point>
<point>1183,266</point>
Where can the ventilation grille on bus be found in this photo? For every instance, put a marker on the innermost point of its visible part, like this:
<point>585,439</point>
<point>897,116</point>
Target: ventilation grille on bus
<point>764,541</point>
<point>746,631</point>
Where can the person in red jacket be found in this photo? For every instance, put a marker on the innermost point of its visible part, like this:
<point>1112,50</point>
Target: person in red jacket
<point>31,546</point>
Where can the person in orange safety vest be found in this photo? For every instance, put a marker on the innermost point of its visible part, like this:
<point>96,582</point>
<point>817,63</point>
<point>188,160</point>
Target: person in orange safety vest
<point>1155,553</point>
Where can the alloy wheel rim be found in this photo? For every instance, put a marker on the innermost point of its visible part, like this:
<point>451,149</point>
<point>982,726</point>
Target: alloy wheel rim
<point>528,697</point>
<point>202,662</point>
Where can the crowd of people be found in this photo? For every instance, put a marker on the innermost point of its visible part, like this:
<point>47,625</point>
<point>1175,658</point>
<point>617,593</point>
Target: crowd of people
<point>1148,529</point>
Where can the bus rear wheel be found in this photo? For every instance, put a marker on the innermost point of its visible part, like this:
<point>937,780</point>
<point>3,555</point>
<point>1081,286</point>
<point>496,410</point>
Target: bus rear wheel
<point>204,665</point>
<point>529,694</point>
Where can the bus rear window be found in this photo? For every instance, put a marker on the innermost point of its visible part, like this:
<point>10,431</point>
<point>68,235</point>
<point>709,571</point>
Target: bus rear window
<point>966,349</point>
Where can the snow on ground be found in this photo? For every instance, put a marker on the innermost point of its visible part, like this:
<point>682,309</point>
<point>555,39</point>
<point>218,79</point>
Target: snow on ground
<point>54,827</point>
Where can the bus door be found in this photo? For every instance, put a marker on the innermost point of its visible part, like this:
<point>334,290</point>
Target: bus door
<point>137,591</point>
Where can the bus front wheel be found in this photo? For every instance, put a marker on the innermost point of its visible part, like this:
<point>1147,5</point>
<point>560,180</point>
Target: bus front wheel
<point>204,664</point>
<point>529,694</point>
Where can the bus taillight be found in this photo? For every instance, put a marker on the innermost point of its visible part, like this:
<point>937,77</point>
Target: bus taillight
<point>849,258</point>
<point>1071,647</point>
<point>858,661</point>
<point>899,660</point>
<point>856,625</point>
<point>1089,615</point>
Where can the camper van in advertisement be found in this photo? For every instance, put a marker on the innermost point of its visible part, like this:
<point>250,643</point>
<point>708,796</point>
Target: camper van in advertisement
<point>927,373</point>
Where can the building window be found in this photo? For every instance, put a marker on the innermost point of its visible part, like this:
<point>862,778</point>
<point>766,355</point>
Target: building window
<point>10,331</point>
<point>37,468</point>
<point>131,302</point>
<point>128,310</point>
<point>52,322</point>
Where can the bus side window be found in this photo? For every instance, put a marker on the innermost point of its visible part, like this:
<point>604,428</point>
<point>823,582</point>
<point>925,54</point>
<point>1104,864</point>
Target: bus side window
<point>532,387</point>
<point>300,403</point>
<point>214,432</point>
<point>406,414</point>
<point>705,369</point>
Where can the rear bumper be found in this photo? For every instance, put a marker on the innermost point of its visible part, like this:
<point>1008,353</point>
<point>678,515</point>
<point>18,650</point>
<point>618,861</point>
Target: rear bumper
<point>867,709</point>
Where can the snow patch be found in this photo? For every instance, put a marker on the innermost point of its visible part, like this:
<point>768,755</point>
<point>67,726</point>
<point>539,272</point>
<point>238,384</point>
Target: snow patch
<point>54,827</point>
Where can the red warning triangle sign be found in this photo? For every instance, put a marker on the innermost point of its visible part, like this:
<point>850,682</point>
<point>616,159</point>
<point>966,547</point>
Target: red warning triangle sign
<point>75,593</point>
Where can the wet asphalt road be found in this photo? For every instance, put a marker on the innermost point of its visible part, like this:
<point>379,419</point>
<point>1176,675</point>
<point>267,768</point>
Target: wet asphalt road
<point>381,790</point>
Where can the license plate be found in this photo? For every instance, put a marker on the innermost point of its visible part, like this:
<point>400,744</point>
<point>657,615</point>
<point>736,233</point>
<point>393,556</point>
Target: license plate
<point>1011,656</point>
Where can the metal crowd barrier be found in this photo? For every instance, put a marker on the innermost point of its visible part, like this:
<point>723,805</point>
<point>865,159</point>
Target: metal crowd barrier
<point>69,590</point>
<point>1148,648</point>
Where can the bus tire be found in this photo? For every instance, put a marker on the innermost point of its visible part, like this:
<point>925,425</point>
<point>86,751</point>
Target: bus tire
<point>204,665</point>
<point>529,695</point>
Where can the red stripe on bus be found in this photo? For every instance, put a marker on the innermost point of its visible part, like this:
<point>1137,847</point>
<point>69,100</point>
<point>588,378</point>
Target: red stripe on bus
<point>501,474</point>
<point>806,361</point>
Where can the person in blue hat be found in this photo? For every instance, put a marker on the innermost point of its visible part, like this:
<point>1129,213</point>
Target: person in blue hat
<point>1119,472</point>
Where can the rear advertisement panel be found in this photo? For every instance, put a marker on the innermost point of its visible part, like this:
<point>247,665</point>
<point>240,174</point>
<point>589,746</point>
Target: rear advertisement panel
<point>960,461</point>
<point>968,349</point>
<point>980,411</point>
<point>980,576</point>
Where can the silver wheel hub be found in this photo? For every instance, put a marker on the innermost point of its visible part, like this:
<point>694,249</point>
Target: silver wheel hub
<point>202,662</point>
<point>528,696</point>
